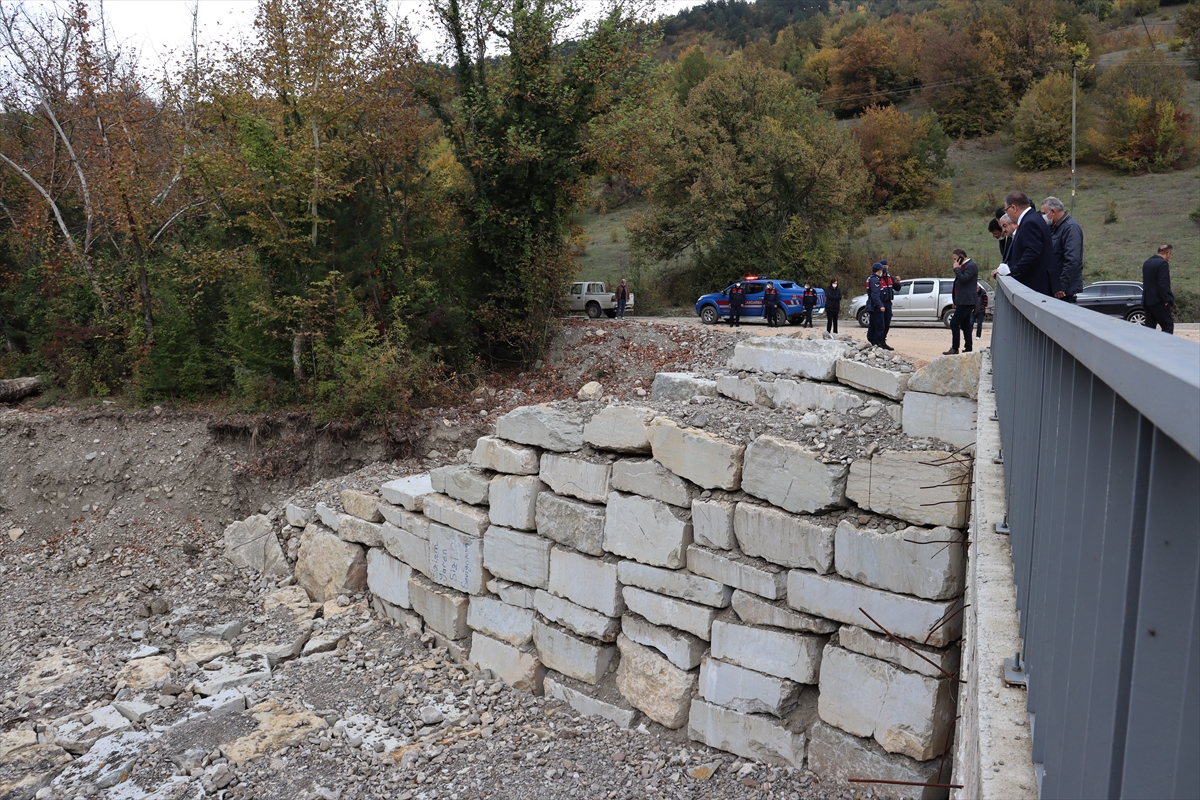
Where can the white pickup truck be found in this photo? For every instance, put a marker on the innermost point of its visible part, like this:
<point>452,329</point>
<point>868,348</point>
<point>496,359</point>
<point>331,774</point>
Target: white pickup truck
<point>595,299</point>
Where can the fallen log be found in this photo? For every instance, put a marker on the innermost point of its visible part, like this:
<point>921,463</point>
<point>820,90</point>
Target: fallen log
<point>16,388</point>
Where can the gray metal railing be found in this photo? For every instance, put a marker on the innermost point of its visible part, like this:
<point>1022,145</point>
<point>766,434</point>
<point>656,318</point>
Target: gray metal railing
<point>1100,428</point>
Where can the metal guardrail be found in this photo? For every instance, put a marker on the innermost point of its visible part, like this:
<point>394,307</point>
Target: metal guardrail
<point>1100,429</point>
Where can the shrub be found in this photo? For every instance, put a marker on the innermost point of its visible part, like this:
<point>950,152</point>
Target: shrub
<point>1042,125</point>
<point>1143,126</point>
<point>905,156</point>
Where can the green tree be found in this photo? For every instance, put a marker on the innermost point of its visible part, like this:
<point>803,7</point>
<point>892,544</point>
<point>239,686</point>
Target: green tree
<point>1142,124</point>
<point>1189,28</point>
<point>1042,125</point>
<point>529,129</point>
<point>962,80</point>
<point>905,156</point>
<point>691,71</point>
<point>864,71</point>
<point>753,177</point>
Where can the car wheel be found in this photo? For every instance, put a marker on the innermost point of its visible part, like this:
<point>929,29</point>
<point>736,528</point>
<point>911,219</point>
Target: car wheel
<point>611,313</point>
<point>796,320</point>
<point>1137,317</point>
<point>709,315</point>
<point>593,310</point>
<point>947,315</point>
<point>864,318</point>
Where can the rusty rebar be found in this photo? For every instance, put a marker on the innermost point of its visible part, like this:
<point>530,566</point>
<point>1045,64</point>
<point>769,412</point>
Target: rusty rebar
<point>895,639</point>
<point>945,619</point>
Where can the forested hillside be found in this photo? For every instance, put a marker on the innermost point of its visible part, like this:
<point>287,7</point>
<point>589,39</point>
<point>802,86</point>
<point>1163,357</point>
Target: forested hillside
<point>316,216</point>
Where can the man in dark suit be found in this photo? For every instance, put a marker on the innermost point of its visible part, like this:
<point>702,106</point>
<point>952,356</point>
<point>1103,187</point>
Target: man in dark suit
<point>1031,259</point>
<point>966,283</point>
<point>1157,297</point>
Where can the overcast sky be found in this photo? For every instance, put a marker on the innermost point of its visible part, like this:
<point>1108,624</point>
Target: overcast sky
<point>156,26</point>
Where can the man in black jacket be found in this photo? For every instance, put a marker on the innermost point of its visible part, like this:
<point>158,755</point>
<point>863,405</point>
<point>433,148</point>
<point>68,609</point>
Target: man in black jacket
<point>1067,237</point>
<point>1031,259</point>
<point>966,283</point>
<point>1157,298</point>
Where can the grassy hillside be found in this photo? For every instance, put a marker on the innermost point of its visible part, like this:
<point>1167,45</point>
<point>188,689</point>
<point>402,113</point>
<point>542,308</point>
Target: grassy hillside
<point>1148,209</point>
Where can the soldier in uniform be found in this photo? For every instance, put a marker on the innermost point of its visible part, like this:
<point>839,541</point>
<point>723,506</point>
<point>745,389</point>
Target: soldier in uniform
<point>810,302</point>
<point>887,293</point>
<point>771,305</point>
<point>875,332</point>
<point>737,297</point>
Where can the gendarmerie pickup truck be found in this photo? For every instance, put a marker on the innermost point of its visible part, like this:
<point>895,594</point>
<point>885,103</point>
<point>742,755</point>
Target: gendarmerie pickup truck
<point>595,299</point>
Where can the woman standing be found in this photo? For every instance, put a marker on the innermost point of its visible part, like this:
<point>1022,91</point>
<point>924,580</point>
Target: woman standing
<point>833,305</point>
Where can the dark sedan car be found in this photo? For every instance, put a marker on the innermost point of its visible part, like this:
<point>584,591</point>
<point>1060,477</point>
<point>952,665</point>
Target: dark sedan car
<point>1116,298</point>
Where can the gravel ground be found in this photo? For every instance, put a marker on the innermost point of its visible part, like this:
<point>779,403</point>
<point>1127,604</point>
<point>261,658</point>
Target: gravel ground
<point>111,565</point>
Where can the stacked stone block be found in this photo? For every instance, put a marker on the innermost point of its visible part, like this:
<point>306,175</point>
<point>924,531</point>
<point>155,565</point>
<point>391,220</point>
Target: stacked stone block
<point>718,586</point>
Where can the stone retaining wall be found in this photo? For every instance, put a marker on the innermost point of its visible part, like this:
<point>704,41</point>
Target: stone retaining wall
<point>633,566</point>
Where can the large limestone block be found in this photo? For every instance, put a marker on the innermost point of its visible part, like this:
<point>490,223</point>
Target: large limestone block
<point>297,516</point>
<point>815,359</point>
<point>500,456</point>
<point>590,582</point>
<point>513,501</point>
<point>932,661</point>
<point>364,505</point>
<point>252,543</point>
<point>682,649</point>
<point>581,659</point>
<point>542,426</point>
<point>792,477</point>
<point>740,572</point>
<point>750,390</point>
<point>661,610</point>
<point>702,458</point>
<point>647,530</point>
<point>352,528</point>
<point>512,593</point>
<point>782,538</point>
<point>750,736</point>
<point>409,548</point>
<point>905,712</point>
<point>931,622</point>
<point>679,386</point>
<point>753,610</point>
<point>500,621</point>
<point>407,492</point>
<point>456,560</point>
<point>625,429</point>
<point>924,487</point>
<point>795,656</point>
<point>575,617</point>
<point>649,478</point>
<point>588,706</point>
<point>576,477</point>
<point>837,755</point>
<point>872,379</point>
<point>518,668</point>
<point>934,416</point>
<point>577,525</point>
<point>388,577</point>
<point>675,583</point>
<point>415,523</point>
<point>326,566</point>
<point>949,375</point>
<point>443,610</point>
<point>910,561</point>
<point>712,524</point>
<point>745,690</point>
<point>515,556</point>
<point>328,516</point>
<point>807,395</point>
<point>462,482</point>
<point>653,685</point>
<point>460,516</point>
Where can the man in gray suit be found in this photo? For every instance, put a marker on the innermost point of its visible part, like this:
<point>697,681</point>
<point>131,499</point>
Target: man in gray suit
<point>966,283</point>
<point>1067,238</point>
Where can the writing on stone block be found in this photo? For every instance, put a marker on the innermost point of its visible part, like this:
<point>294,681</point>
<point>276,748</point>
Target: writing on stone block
<point>450,563</point>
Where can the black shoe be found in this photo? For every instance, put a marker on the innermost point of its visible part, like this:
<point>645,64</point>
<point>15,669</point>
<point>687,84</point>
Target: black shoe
<point>887,346</point>
<point>953,351</point>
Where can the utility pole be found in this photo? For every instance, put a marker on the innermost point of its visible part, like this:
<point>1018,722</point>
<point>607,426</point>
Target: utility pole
<point>1074,91</point>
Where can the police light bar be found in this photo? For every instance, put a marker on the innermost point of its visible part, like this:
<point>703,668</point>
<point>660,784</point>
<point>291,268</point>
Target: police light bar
<point>751,277</point>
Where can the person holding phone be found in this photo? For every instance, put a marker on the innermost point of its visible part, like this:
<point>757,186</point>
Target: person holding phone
<point>966,294</point>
